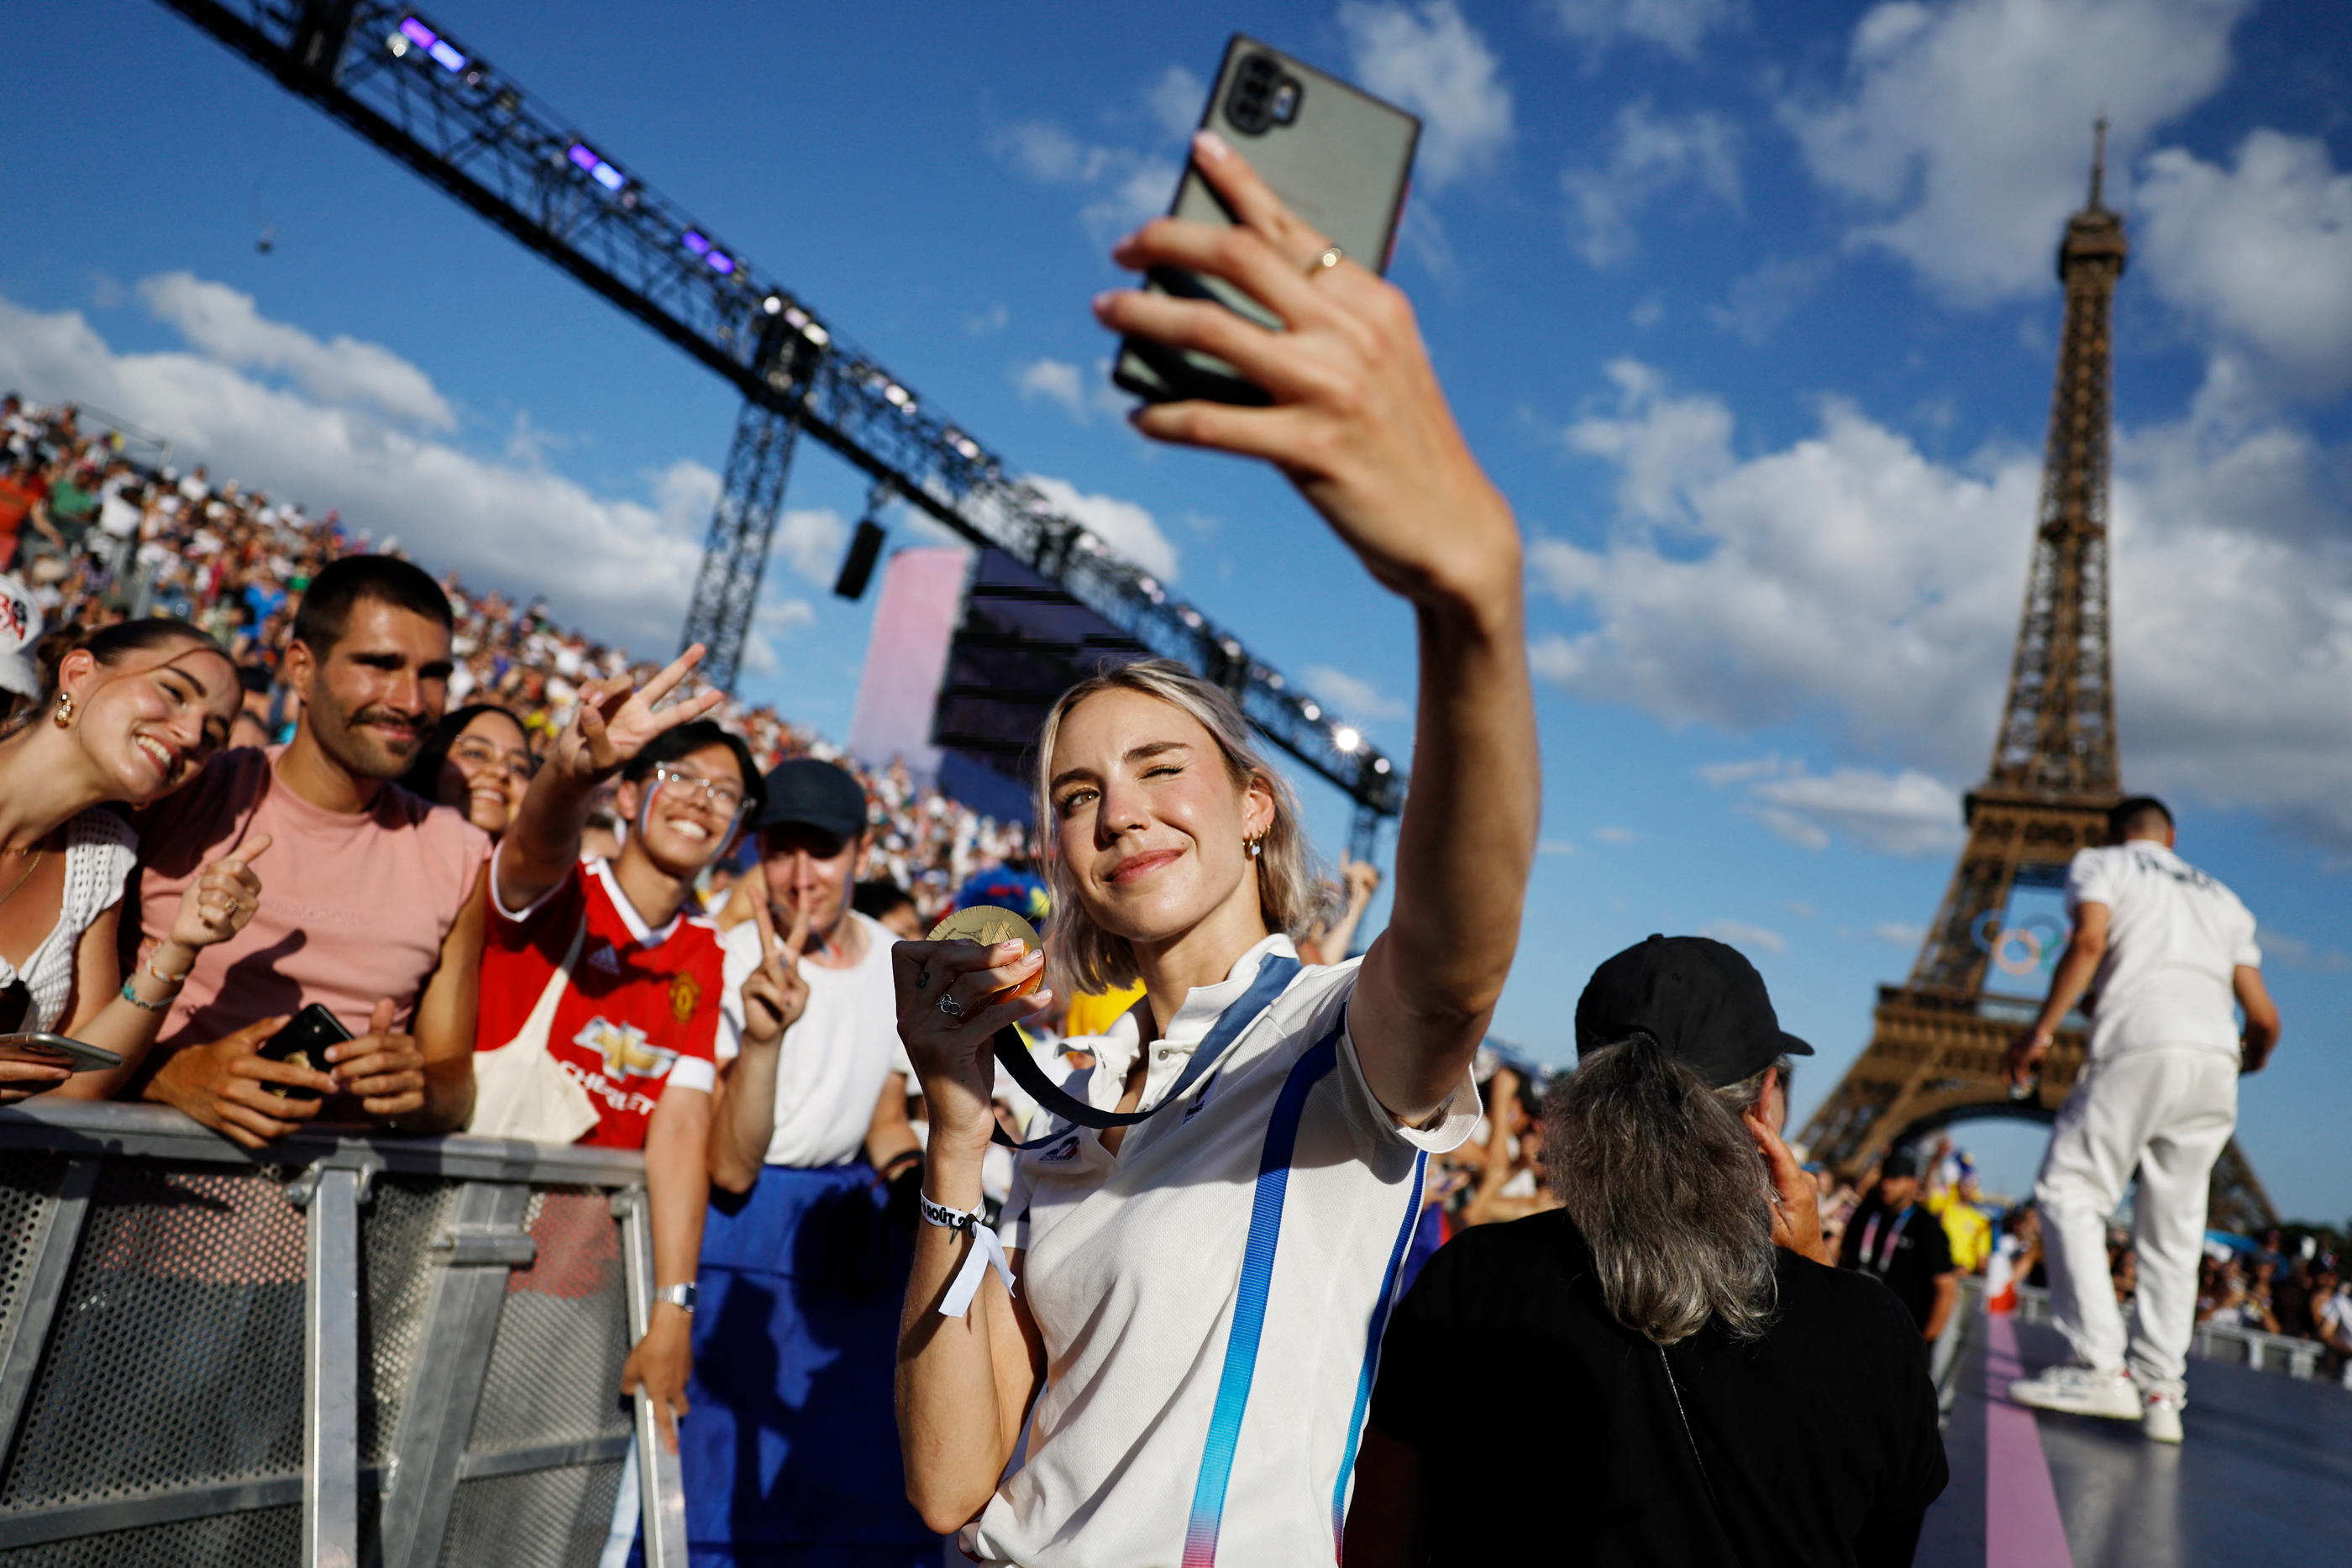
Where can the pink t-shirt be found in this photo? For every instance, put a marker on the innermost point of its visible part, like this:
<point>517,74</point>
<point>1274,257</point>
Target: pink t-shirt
<point>353,907</point>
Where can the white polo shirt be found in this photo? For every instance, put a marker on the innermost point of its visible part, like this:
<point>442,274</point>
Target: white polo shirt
<point>2174,938</point>
<point>1212,1298</point>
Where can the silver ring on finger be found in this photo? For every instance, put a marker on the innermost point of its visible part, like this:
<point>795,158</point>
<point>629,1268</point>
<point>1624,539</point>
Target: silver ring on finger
<point>1331,256</point>
<point>951,1007</point>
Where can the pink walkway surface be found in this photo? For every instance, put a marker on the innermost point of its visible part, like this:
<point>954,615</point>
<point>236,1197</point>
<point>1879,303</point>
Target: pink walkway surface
<point>2022,1528</point>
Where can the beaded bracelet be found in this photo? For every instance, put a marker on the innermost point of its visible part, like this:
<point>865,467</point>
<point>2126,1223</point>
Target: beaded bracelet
<point>136,1000</point>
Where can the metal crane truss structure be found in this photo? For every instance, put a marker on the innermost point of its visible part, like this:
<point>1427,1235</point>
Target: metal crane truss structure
<point>1935,1050</point>
<point>438,105</point>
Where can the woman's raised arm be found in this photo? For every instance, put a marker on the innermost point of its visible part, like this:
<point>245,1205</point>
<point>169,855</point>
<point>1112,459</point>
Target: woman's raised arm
<point>1360,425</point>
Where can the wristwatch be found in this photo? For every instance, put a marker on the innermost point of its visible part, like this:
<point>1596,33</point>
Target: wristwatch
<point>677,1296</point>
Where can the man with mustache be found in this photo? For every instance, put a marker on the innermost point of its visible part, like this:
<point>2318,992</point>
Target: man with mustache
<point>375,906</point>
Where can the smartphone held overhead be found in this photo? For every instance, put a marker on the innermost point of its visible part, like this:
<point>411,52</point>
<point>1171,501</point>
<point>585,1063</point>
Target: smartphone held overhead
<point>1339,157</point>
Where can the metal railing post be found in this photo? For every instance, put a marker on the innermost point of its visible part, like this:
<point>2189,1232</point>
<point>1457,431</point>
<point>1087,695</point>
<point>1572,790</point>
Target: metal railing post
<point>25,1333</point>
<point>452,1359</point>
<point>661,1512</point>
<point>330,1193</point>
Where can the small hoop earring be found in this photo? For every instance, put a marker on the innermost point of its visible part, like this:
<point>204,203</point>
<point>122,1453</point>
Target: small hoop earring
<point>1255,845</point>
<point>64,718</point>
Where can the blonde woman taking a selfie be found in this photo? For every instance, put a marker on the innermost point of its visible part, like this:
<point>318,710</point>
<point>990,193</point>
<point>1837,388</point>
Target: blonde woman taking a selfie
<point>1195,1298</point>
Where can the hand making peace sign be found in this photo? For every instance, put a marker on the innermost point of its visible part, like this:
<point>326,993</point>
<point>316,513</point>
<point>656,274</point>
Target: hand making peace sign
<point>617,719</point>
<point>774,994</point>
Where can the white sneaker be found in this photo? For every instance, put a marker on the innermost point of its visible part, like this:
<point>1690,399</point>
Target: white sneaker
<point>2160,1421</point>
<point>2081,1391</point>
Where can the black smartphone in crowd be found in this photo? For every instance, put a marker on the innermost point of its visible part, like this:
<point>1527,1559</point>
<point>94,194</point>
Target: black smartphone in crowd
<point>85,1058</point>
<point>1338,156</point>
<point>304,1041</point>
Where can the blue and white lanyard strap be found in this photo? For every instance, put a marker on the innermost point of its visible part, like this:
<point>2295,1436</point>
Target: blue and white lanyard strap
<point>987,1252</point>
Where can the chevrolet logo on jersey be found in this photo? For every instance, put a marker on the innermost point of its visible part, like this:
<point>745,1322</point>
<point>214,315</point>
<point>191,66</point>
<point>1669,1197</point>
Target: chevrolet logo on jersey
<point>624,1050</point>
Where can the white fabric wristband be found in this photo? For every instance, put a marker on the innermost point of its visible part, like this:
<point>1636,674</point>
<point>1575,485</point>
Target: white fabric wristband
<point>987,1252</point>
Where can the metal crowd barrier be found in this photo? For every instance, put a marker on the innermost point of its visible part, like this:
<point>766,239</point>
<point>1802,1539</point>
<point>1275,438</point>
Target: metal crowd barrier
<point>2298,1358</point>
<point>346,1350</point>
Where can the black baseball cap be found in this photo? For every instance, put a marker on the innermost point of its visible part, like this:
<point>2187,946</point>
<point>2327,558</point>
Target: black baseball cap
<point>1698,999</point>
<point>815,793</point>
<point>1899,1161</point>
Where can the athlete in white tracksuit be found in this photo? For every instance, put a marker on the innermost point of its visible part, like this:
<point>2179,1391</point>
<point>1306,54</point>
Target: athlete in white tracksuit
<point>2161,957</point>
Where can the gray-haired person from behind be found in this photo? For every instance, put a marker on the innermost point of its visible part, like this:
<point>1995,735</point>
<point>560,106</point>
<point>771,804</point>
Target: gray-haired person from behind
<point>1696,1386</point>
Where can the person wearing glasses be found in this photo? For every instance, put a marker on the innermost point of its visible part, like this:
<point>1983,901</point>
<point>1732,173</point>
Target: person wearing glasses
<point>600,986</point>
<point>477,761</point>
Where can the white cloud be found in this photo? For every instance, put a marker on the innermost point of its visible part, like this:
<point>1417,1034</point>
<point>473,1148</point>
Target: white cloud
<point>776,619</point>
<point>1760,299</point>
<point>1608,835</point>
<point>1661,446</point>
<point>1175,102</point>
<point>1056,380</point>
<point>1437,65</point>
<point>1138,195</point>
<point>1961,131</point>
<point>1130,530</point>
<point>2294,953</point>
<point>1651,155</point>
<point>1740,933</point>
<point>2262,250</point>
<point>813,540</point>
<point>620,567</point>
<point>224,326</point>
<point>1351,696</point>
<point>1562,847</point>
<point>1677,26</point>
<point>1899,934</point>
<point>1127,187</point>
<point>1044,150</point>
<point>1848,577</point>
<point>1800,908</point>
<point>1905,813</point>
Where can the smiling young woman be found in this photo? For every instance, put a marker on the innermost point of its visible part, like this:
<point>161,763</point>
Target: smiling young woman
<point>128,715</point>
<point>479,760</point>
<point>1186,1306</point>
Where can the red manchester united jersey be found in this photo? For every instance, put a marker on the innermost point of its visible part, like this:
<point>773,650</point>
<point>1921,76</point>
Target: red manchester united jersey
<point>641,1013</point>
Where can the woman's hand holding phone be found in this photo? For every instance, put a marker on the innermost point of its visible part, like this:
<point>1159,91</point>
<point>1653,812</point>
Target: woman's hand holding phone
<point>27,1070</point>
<point>1357,420</point>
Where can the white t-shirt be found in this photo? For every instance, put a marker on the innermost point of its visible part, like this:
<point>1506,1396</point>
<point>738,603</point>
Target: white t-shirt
<point>2175,936</point>
<point>1281,1182</point>
<point>835,1058</point>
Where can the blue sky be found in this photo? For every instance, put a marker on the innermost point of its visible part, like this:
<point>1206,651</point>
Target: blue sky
<point>1750,310</point>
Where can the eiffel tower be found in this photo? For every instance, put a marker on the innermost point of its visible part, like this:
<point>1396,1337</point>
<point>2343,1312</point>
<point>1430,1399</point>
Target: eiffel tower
<point>1936,1041</point>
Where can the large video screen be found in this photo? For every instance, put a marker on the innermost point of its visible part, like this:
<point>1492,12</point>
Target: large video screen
<point>1022,642</point>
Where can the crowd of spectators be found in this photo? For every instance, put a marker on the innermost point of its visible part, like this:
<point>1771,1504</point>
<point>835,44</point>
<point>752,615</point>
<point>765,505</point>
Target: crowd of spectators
<point>97,536</point>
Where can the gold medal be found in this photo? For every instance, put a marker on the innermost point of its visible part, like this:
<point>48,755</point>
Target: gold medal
<point>987,925</point>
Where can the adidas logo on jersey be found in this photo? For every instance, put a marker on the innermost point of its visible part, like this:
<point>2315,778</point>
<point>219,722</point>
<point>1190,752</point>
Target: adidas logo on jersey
<point>604,958</point>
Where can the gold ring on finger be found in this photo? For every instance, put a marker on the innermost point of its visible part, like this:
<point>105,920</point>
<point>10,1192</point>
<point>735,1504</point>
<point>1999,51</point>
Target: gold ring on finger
<point>1332,255</point>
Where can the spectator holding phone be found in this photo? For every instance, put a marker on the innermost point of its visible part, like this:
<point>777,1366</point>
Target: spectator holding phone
<point>376,903</point>
<point>599,969</point>
<point>1190,1378</point>
<point>125,716</point>
<point>1695,1385</point>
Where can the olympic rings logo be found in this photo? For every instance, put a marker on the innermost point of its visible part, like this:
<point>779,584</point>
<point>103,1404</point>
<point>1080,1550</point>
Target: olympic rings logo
<point>2024,948</point>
